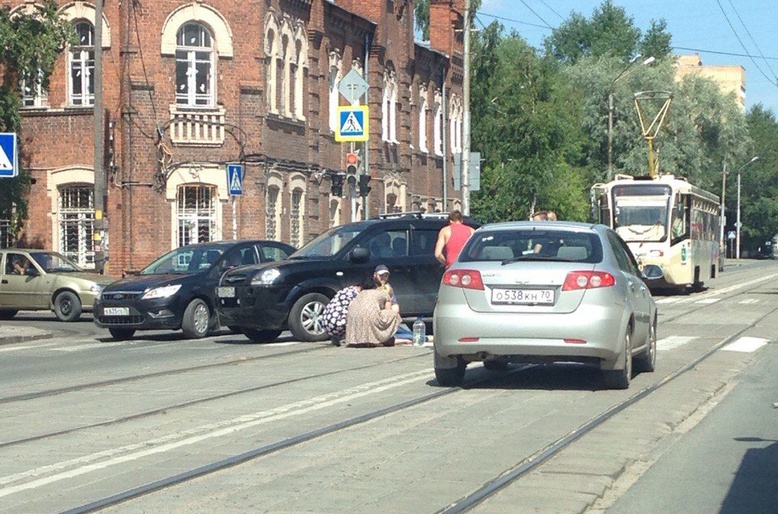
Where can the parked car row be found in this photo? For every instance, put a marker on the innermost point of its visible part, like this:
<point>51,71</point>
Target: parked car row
<point>519,291</point>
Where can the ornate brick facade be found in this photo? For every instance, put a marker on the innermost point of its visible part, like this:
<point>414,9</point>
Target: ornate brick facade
<point>189,87</point>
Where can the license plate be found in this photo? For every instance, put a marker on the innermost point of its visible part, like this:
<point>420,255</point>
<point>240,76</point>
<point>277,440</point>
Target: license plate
<point>523,296</point>
<point>116,311</point>
<point>226,292</point>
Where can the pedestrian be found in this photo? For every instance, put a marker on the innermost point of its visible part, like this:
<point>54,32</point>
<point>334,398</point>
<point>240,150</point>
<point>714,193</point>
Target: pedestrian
<point>371,320</point>
<point>452,238</point>
<point>381,280</point>
<point>544,216</point>
<point>336,312</point>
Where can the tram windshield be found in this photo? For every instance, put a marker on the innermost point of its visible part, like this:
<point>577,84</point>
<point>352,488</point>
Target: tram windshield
<point>641,212</point>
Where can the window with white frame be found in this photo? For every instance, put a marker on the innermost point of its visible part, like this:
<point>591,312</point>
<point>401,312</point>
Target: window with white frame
<point>33,93</point>
<point>336,73</point>
<point>196,213</point>
<point>272,213</point>
<point>301,62</point>
<point>437,128</point>
<point>194,66</point>
<point>423,119</point>
<point>455,125</point>
<point>296,219</point>
<point>271,49</point>
<point>82,65</point>
<point>283,67</point>
<point>389,106</point>
<point>77,223</point>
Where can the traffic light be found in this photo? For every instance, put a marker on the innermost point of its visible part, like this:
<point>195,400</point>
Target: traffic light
<point>352,185</point>
<point>364,188</point>
<point>352,161</point>
<point>337,184</point>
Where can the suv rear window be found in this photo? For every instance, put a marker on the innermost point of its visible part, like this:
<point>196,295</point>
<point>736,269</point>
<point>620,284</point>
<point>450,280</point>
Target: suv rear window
<point>533,245</point>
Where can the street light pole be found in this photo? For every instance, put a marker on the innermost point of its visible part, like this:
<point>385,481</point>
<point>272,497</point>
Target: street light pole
<point>723,221</point>
<point>465,160</point>
<point>648,60</point>
<point>737,224</point>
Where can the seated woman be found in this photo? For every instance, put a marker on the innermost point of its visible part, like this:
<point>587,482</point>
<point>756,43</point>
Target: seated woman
<point>371,321</point>
<point>336,312</point>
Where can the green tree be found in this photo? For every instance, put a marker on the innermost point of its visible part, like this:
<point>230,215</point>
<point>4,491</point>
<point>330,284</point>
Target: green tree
<point>422,15</point>
<point>759,182</point>
<point>657,41</point>
<point>30,42</point>
<point>526,126</point>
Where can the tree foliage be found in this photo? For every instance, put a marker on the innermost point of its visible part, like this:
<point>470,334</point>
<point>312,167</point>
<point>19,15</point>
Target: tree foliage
<point>526,125</point>
<point>30,42</point>
<point>422,15</point>
<point>759,182</point>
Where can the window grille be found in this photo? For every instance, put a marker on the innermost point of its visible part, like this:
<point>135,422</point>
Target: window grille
<point>33,94</point>
<point>271,222</point>
<point>76,224</point>
<point>196,214</point>
<point>296,219</point>
<point>6,235</point>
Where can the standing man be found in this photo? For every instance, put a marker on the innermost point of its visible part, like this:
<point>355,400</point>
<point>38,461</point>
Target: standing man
<point>451,239</point>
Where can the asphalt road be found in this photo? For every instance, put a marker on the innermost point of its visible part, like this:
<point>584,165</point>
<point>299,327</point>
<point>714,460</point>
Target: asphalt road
<point>221,425</point>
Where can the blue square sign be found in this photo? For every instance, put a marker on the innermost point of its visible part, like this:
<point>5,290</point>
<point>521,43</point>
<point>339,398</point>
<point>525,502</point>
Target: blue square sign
<point>8,157</point>
<point>235,179</point>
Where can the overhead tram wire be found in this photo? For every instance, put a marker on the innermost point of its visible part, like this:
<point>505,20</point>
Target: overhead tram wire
<point>751,37</point>
<point>552,10</point>
<point>536,14</point>
<point>734,54</point>
<point>503,18</point>
<point>737,36</point>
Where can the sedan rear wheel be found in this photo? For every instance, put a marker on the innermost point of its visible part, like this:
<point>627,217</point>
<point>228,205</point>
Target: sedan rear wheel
<point>306,318</point>
<point>647,360</point>
<point>121,334</point>
<point>261,336</point>
<point>620,378</point>
<point>67,306</point>
<point>8,314</point>
<point>197,318</point>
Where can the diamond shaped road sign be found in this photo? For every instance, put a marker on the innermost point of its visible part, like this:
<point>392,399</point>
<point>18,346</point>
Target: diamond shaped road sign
<point>8,159</point>
<point>353,86</point>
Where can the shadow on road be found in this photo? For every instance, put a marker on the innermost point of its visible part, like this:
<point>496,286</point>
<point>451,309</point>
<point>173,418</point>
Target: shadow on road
<point>755,487</point>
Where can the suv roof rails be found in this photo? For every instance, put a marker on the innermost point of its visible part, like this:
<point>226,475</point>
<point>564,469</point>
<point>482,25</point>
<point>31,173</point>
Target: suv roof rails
<point>413,214</point>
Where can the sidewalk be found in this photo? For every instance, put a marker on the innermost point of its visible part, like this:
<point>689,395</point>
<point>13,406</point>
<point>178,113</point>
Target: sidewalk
<point>16,334</point>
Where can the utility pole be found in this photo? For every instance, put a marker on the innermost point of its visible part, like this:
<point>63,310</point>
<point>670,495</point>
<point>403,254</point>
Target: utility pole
<point>99,239</point>
<point>723,221</point>
<point>466,116</point>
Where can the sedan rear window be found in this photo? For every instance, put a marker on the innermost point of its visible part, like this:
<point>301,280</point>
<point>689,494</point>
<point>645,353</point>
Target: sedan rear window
<point>533,245</point>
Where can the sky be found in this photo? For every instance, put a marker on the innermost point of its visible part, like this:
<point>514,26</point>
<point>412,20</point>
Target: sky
<point>697,26</point>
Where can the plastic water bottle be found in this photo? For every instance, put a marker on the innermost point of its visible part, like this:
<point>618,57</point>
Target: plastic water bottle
<point>419,332</point>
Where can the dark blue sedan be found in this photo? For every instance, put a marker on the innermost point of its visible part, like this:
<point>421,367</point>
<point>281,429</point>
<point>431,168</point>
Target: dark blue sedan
<point>178,290</point>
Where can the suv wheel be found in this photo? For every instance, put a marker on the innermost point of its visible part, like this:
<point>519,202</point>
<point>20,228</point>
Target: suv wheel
<point>306,319</point>
<point>196,322</point>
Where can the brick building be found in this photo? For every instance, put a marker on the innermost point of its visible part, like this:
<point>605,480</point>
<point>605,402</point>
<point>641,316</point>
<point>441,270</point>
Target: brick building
<point>189,87</point>
<point>730,78</point>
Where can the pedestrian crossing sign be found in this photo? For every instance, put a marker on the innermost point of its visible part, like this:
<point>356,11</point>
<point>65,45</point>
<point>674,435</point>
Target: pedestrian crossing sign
<point>8,162</point>
<point>235,179</point>
<point>352,123</point>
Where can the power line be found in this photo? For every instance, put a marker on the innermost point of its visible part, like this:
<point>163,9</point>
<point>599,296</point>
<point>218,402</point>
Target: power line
<point>536,14</point>
<point>502,18</point>
<point>552,10</point>
<point>737,36</point>
<point>718,52</point>
<point>752,38</point>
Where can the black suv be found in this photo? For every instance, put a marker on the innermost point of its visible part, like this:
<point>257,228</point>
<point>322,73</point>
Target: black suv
<point>264,299</point>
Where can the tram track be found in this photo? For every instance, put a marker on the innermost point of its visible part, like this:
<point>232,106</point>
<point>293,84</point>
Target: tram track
<point>489,488</point>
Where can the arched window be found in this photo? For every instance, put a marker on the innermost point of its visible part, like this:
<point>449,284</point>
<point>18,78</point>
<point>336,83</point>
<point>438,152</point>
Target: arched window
<point>336,73</point>
<point>194,66</point>
<point>298,71</point>
<point>296,218</point>
<point>76,224</point>
<point>455,125</point>
<point>273,213</point>
<point>423,119</point>
<point>389,106</point>
<point>284,68</point>
<point>82,65</point>
<point>438,124</point>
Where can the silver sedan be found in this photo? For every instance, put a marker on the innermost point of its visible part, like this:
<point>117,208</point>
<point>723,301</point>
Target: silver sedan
<point>545,292</point>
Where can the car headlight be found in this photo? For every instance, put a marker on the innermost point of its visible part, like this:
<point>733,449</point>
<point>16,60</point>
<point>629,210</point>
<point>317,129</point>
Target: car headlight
<point>97,288</point>
<point>265,278</point>
<point>161,292</point>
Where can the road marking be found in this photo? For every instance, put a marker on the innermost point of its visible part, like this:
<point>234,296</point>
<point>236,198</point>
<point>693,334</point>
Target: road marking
<point>748,301</point>
<point>746,345</point>
<point>26,347</point>
<point>671,342</point>
<point>722,291</point>
<point>87,346</point>
<point>667,299</point>
<point>708,300</point>
<point>111,457</point>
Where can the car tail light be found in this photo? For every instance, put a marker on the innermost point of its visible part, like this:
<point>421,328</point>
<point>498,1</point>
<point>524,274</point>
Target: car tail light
<point>464,278</point>
<point>587,280</point>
